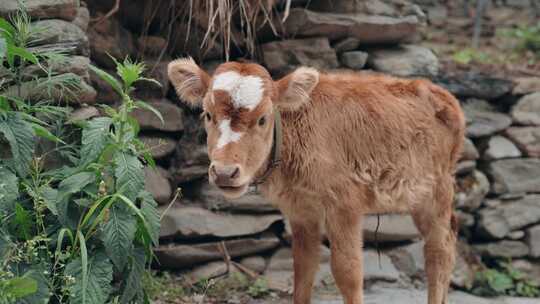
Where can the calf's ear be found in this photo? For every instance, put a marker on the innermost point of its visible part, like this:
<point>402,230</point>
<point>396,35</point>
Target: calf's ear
<point>189,81</point>
<point>294,90</point>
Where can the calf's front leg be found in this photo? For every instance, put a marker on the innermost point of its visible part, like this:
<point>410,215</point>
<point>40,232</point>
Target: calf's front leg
<point>345,235</point>
<point>306,242</point>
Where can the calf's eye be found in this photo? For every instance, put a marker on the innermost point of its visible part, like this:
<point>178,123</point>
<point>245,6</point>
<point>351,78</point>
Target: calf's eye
<point>262,121</point>
<point>207,116</point>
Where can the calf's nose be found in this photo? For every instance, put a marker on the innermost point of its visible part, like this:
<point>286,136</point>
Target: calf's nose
<point>224,175</point>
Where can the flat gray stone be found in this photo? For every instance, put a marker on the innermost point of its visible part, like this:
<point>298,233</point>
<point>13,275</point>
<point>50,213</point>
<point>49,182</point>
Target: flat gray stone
<point>484,121</point>
<point>157,183</point>
<point>281,57</point>
<point>526,138</point>
<point>533,240</point>
<point>355,60</point>
<point>469,150</point>
<point>498,222</point>
<point>404,60</point>
<point>519,175</point>
<point>392,228</point>
<point>176,256</point>
<point>503,249</point>
<point>465,167</point>
<point>367,29</point>
<point>60,31</point>
<point>499,147</point>
<point>172,117</point>
<point>527,110</point>
<point>526,85</point>
<point>42,9</point>
<point>194,222</point>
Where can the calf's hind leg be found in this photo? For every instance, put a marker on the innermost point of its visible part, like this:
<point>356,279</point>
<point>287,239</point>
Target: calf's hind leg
<point>345,235</point>
<point>436,223</point>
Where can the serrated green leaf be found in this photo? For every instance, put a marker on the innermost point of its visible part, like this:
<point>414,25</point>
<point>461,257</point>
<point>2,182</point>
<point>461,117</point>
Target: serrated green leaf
<point>20,136</point>
<point>118,235</point>
<point>133,289</point>
<point>95,137</point>
<point>75,183</point>
<point>9,190</point>
<point>115,84</point>
<point>99,277</point>
<point>49,196</point>
<point>7,30</point>
<point>129,174</point>
<point>41,295</point>
<point>21,287</point>
<point>151,215</point>
<point>151,80</point>
<point>22,222</point>
<point>44,133</point>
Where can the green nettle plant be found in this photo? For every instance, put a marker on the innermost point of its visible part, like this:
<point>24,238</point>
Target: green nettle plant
<point>82,233</point>
<point>505,280</point>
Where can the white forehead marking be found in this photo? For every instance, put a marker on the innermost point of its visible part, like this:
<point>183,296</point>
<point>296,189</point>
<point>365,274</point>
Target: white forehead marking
<point>245,91</point>
<point>227,134</point>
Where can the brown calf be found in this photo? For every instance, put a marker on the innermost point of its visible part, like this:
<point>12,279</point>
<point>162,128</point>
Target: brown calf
<point>351,145</point>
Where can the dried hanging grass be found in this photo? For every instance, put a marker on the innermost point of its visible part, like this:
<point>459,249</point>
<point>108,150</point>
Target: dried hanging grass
<point>217,16</point>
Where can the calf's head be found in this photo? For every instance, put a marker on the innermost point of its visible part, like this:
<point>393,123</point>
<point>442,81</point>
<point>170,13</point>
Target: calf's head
<point>238,103</point>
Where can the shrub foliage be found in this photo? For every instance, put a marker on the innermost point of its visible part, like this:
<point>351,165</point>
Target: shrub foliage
<point>81,232</point>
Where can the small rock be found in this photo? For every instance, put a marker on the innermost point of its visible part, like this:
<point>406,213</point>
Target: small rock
<point>346,45</point>
<point>42,9</point>
<point>355,60</point>
<point>368,29</point>
<point>60,31</point>
<point>78,65</point>
<point>533,240</point>
<point>475,85</point>
<point>172,116</point>
<point>526,85</point>
<point>84,113</point>
<point>82,19</point>
<point>526,138</point>
<point>191,161</point>
<point>465,167</point>
<point>157,183</point>
<point>194,222</point>
<point>379,268</point>
<point>484,121</point>
<point>159,147</point>
<point>527,110</point>
<point>404,60</point>
<point>152,45</point>
<point>499,147</point>
<point>392,228</point>
<point>281,57</point>
<point>517,175</point>
<point>516,235</point>
<point>499,221</point>
<point>475,188</point>
<point>469,150</point>
<point>255,263</point>
<point>503,249</point>
<point>108,38</point>
<point>176,256</point>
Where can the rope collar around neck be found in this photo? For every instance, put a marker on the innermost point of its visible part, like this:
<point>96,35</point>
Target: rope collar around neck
<point>275,153</point>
